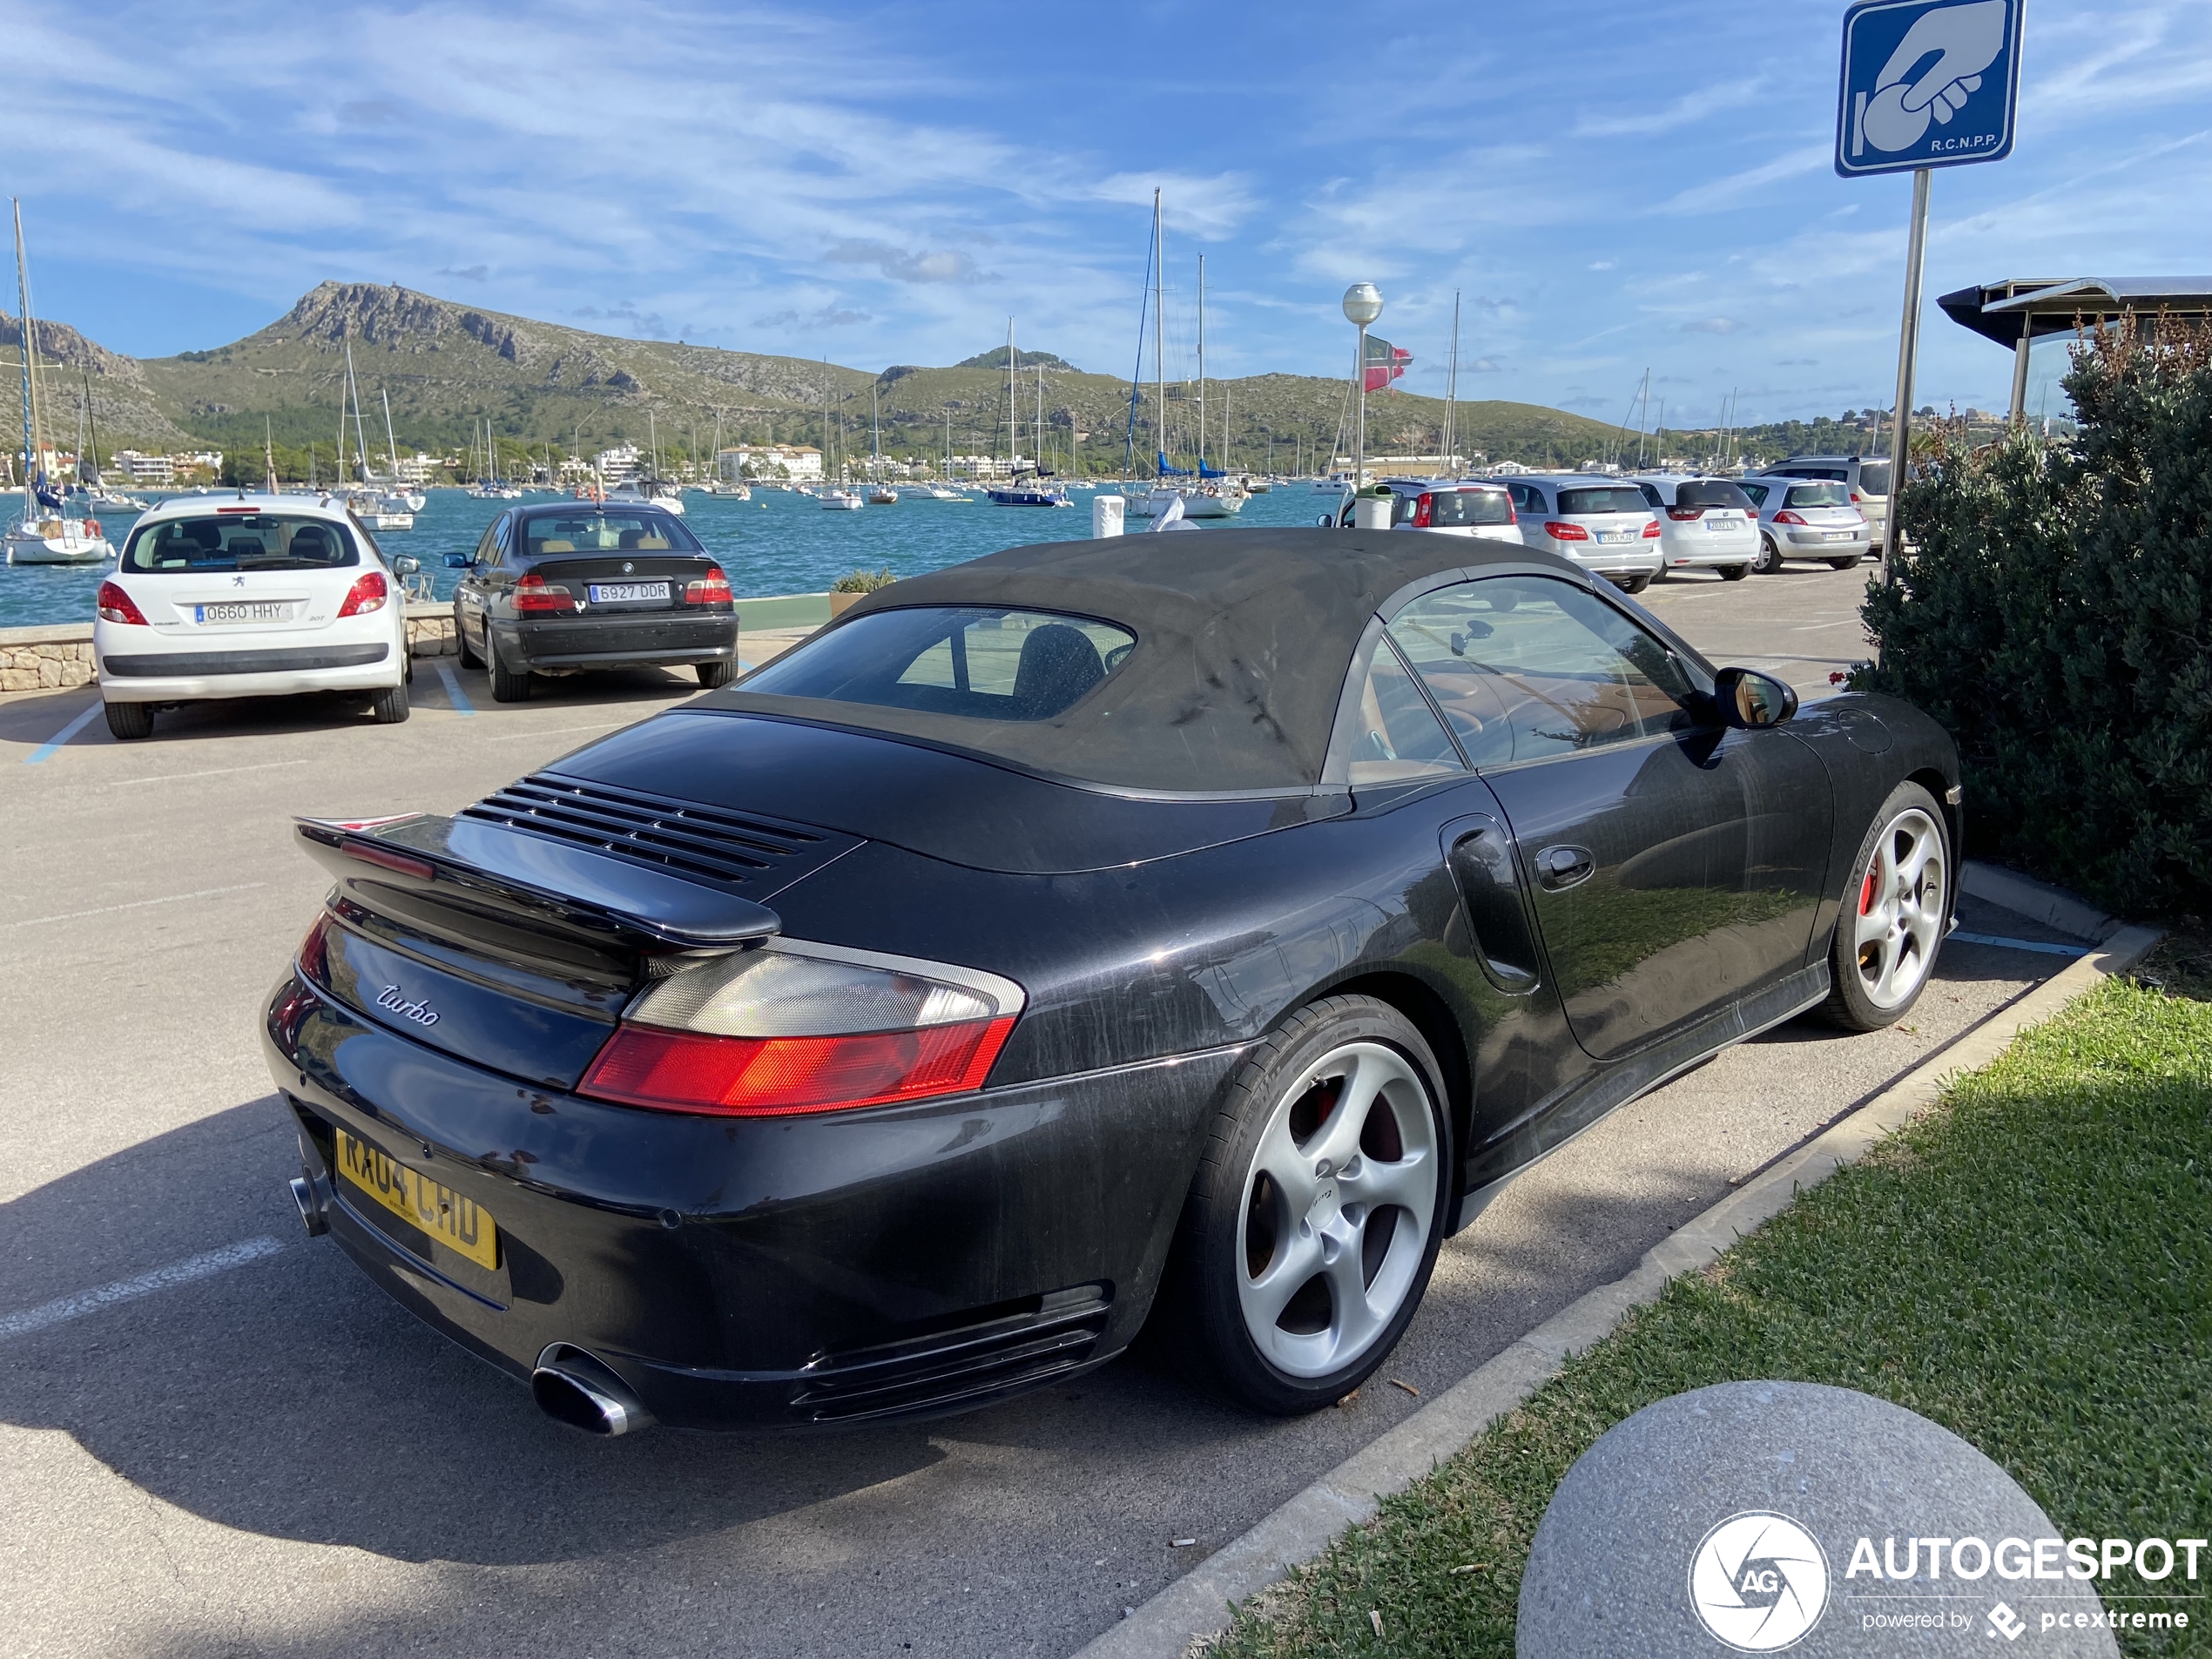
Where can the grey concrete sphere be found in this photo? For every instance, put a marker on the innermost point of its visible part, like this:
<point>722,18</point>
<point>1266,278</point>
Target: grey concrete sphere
<point>1611,1570</point>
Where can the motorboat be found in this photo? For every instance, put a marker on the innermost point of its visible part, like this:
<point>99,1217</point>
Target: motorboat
<point>638,492</point>
<point>938,492</point>
<point>839,501</point>
<point>883,495</point>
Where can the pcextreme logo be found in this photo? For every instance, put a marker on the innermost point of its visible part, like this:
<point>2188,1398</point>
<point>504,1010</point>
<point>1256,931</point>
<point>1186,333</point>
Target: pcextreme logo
<point>1759,1581</point>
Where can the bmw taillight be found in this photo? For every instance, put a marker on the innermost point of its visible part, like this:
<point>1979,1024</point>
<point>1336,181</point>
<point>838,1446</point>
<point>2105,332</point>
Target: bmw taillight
<point>778,1030</point>
<point>1785,516</point>
<point>1651,530</point>
<point>1424,507</point>
<point>367,594</point>
<point>1559,532</point>
<point>115,606</point>
<point>533,592</point>
<point>713,588</point>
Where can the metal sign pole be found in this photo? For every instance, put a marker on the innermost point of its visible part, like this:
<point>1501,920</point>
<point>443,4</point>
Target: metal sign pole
<point>1359,440</point>
<point>1908,361</point>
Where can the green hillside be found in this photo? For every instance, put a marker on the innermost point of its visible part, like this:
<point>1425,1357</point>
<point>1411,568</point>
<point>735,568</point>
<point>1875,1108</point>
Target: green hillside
<point>445,368</point>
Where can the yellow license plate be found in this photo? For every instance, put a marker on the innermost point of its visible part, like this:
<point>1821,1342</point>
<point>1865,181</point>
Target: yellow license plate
<point>459,1223</point>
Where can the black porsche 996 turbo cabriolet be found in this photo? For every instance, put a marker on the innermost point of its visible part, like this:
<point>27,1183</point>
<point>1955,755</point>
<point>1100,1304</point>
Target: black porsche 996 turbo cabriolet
<point>1194,926</point>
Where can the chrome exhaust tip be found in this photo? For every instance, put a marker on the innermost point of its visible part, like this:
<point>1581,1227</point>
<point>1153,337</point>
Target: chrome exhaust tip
<point>572,1387</point>
<point>311,1214</point>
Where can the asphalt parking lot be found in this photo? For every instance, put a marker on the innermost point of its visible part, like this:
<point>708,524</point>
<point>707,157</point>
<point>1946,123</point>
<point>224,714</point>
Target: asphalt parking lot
<point>215,1438</point>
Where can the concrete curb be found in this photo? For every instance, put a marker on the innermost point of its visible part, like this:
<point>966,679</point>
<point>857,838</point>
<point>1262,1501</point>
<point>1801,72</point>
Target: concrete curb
<point>2024,896</point>
<point>1194,1606</point>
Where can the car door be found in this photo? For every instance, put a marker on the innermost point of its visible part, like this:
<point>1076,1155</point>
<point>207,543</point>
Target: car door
<point>1673,863</point>
<point>468,592</point>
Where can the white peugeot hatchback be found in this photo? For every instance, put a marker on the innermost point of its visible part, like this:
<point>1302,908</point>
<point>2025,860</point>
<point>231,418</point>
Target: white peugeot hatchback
<point>265,596</point>
<point>1704,523</point>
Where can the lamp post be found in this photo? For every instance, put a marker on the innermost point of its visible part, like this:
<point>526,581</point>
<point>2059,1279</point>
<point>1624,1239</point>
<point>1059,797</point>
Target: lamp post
<point>1363,303</point>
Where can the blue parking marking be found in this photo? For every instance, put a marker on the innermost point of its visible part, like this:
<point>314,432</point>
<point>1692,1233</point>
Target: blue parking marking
<point>2021,944</point>
<point>454,693</point>
<point>61,737</point>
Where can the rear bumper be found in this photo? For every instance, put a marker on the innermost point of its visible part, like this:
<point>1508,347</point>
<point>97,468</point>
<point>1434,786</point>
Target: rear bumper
<point>171,677</point>
<point>762,1272</point>
<point>618,641</point>
<point>1683,552</point>
<point>1811,544</point>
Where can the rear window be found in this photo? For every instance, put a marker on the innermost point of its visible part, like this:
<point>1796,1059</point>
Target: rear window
<point>983,664</point>
<point>1711,492</point>
<point>1874,477</point>
<point>1471,507</point>
<point>1818,496</point>
<point>241,541</point>
<point>593,530</point>
<point>1612,498</point>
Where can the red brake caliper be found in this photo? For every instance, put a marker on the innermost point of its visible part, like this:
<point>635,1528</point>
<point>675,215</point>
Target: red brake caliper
<point>1866,895</point>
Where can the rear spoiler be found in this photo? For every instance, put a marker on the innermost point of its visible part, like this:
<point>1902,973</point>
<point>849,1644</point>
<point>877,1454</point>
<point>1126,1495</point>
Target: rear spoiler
<point>571,888</point>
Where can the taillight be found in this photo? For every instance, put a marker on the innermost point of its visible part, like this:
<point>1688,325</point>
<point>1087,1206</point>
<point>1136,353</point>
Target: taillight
<point>1685,515</point>
<point>367,594</point>
<point>1785,516</point>
<point>1561,532</point>
<point>314,952</point>
<point>534,592</point>
<point>1424,507</point>
<point>1854,498</point>
<point>772,1032</point>
<point>1651,530</point>
<point>115,606</point>
<point>713,588</point>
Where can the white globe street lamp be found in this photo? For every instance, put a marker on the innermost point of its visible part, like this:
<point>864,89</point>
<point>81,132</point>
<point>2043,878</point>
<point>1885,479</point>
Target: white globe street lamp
<point>1363,303</point>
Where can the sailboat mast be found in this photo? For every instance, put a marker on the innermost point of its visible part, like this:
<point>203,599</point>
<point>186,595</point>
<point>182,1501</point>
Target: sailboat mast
<point>92,428</point>
<point>1159,329</point>
<point>1013,408</point>
<point>268,454</point>
<point>1202,366</point>
<point>1039,428</point>
<point>354,390</point>
<point>30,445</point>
<point>1452,394</point>
<point>391,444</point>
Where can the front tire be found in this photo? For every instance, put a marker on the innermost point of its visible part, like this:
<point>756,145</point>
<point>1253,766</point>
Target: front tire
<point>1314,1219</point>
<point>1894,914</point>
<point>129,721</point>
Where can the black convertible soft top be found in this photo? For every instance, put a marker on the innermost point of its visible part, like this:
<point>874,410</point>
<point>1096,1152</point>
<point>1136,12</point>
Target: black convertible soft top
<point>1244,637</point>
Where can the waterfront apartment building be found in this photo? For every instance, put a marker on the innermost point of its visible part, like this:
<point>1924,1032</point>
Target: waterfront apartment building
<point>801,463</point>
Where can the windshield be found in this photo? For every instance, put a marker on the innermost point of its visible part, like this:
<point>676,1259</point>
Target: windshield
<point>986,664</point>
<point>1615,498</point>
<point>592,529</point>
<point>241,541</point>
<point>1711,492</point>
<point>1818,496</point>
<point>1874,477</point>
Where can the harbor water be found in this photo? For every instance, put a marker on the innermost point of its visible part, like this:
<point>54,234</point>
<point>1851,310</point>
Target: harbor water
<point>778,542</point>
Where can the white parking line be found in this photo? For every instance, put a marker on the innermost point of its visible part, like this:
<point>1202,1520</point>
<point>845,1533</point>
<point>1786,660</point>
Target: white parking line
<point>135,904</point>
<point>555,731</point>
<point>219,772</point>
<point>129,1290</point>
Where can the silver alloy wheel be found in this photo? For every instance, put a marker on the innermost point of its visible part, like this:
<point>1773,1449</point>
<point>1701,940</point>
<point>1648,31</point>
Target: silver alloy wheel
<point>1337,1208</point>
<point>1901,901</point>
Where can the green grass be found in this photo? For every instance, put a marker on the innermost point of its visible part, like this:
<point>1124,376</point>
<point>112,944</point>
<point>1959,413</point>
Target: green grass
<point>2030,1266</point>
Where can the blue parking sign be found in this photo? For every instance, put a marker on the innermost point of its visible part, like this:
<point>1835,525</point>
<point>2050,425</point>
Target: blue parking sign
<point>1928,84</point>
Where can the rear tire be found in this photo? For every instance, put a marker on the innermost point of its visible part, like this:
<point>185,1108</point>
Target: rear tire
<point>1851,563</point>
<point>467,652</point>
<point>129,721</point>
<point>1636,583</point>
<point>1894,914</point>
<point>1314,1221</point>
<point>389,706</point>
<point>1734,572</point>
<point>715,675</point>
<point>1769,560</point>
<point>507,686</point>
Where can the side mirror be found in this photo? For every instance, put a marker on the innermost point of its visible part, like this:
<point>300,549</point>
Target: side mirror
<point>1327,521</point>
<point>406,564</point>
<point>458,561</point>
<point>1748,700</point>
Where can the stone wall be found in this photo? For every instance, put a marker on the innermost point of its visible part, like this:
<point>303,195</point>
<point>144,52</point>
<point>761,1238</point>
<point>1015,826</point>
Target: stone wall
<point>46,665</point>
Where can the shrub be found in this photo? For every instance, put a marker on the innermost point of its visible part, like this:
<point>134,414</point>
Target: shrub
<point>862,581</point>
<point>2053,617</point>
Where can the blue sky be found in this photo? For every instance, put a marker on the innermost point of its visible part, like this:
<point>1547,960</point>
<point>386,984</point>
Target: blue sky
<point>1610,187</point>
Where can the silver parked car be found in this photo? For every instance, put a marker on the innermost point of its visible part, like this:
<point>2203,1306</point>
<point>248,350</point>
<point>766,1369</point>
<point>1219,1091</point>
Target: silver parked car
<point>1448,506</point>
<point>1803,518</point>
<point>1704,524</point>
<point>1868,477</point>
<point>1603,525</point>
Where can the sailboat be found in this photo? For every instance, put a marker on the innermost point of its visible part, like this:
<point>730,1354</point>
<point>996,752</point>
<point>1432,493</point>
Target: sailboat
<point>401,498</point>
<point>43,535</point>
<point>879,494</point>
<point>1017,494</point>
<point>1214,494</point>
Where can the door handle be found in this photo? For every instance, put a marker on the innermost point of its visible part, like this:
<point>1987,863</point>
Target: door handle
<point>1560,867</point>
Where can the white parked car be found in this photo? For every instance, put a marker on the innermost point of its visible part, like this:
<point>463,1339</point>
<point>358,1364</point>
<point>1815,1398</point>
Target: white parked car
<point>261,596</point>
<point>1802,518</point>
<point>1704,524</point>
<point>1603,525</point>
